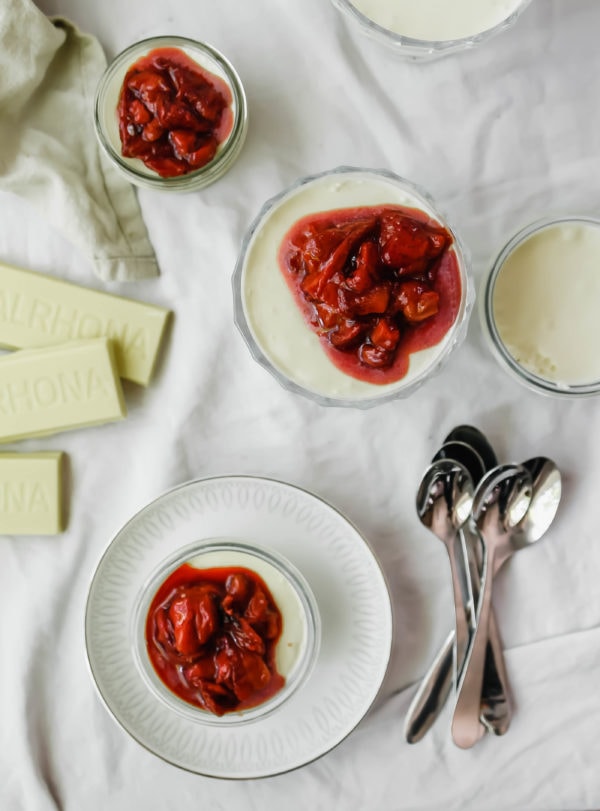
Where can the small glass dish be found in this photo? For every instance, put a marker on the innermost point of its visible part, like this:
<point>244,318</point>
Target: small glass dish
<point>539,306</point>
<point>297,648</point>
<point>423,49</point>
<point>269,319</point>
<point>107,124</point>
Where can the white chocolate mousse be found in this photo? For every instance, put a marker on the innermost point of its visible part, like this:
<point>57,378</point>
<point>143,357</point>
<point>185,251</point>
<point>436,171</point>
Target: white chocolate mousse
<point>546,300</point>
<point>437,20</point>
<point>273,317</point>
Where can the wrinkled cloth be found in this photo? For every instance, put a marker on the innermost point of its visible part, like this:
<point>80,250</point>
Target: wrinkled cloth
<point>49,154</point>
<point>500,136</point>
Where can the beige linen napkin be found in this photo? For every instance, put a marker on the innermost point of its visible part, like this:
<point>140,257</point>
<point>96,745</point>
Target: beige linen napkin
<point>48,149</point>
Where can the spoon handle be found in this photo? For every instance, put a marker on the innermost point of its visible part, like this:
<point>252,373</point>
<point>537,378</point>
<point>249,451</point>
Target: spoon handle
<point>466,726</point>
<point>460,575</point>
<point>443,673</point>
<point>432,693</point>
<point>496,709</point>
<point>436,685</point>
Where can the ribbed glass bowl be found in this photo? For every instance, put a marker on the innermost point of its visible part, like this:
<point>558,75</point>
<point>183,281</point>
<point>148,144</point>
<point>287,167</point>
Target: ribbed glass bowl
<point>421,49</point>
<point>107,125</point>
<point>291,355</point>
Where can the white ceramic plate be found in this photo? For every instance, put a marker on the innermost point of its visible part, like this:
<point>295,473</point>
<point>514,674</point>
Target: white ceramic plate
<point>347,583</point>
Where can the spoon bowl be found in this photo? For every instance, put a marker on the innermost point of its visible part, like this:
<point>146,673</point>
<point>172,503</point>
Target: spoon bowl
<point>465,454</point>
<point>445,498</point>
<point>500,505</point>
<point>477,440</point>
<point>547,489</point>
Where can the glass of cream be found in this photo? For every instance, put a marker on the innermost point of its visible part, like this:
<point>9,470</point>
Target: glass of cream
<point>428,29</point>
<point>540,304</point>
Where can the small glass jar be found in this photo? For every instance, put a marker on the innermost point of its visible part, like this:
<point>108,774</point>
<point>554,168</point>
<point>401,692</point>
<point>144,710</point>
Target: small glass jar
<point>543,329</point>
<point>270,321</point>
<point>421,49</point>
<point>297,648</point>
<point>107,124</point>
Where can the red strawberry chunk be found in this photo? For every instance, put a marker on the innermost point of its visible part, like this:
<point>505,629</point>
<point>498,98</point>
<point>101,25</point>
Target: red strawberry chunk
<point>250,674</point>
<point>152,131</point>
<point>405,241</point>
<point>416,301</point>
<point>216,698</point>
<point>203,154</point>
<point>199,671</point>
<point>149,85</point>
<point>245,637</point>
<point>183,621</point>
<point>346,335</point>
<point>375,356</point>
<point>139,113</point>
<point>375,300</point>
<point>327,317</point>
<point>385,334</point>
<point>365,272</point>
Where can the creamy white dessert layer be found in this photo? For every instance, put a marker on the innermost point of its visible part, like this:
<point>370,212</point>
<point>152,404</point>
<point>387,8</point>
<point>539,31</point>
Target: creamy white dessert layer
<point>546,303</point>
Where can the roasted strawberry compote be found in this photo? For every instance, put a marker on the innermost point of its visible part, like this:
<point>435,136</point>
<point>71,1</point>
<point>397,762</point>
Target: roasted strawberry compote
<point>173,114</point>
<point>375,284</point>
<point>212,634</point>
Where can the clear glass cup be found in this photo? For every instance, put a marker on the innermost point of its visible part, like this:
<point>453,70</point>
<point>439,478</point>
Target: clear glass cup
<point>507,360</point>
<point>106,119</point>
<point>291,593</point>
<point>418,49</point>
<point>368,187</point>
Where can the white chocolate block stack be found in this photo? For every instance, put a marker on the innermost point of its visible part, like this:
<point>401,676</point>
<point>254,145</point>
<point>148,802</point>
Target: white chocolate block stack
<point>73,344</point>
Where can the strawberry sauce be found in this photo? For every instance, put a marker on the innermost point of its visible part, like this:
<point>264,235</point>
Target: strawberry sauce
<point>211,636</point>
<point>173,114</point>
<point>376,284</point>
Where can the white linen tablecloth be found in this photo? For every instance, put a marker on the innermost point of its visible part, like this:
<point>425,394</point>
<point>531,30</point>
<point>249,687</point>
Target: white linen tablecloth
<point>500,136</point>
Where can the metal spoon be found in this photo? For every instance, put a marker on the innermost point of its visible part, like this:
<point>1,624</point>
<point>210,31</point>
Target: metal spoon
<point>437,683</point>
<point>501,502</point>
<point>496,709</point>
<point>444,503</point>
<point>545,498</point>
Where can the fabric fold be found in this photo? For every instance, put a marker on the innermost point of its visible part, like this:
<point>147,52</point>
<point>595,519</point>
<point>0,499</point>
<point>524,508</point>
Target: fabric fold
<point>49,154</point>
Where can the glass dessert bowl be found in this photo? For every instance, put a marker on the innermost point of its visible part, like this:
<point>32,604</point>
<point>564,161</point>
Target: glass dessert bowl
<point>171,114</point>
<point>350,287</point>
<point>539,307</point>
<point>225,632</point>
<point>428,29</point>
